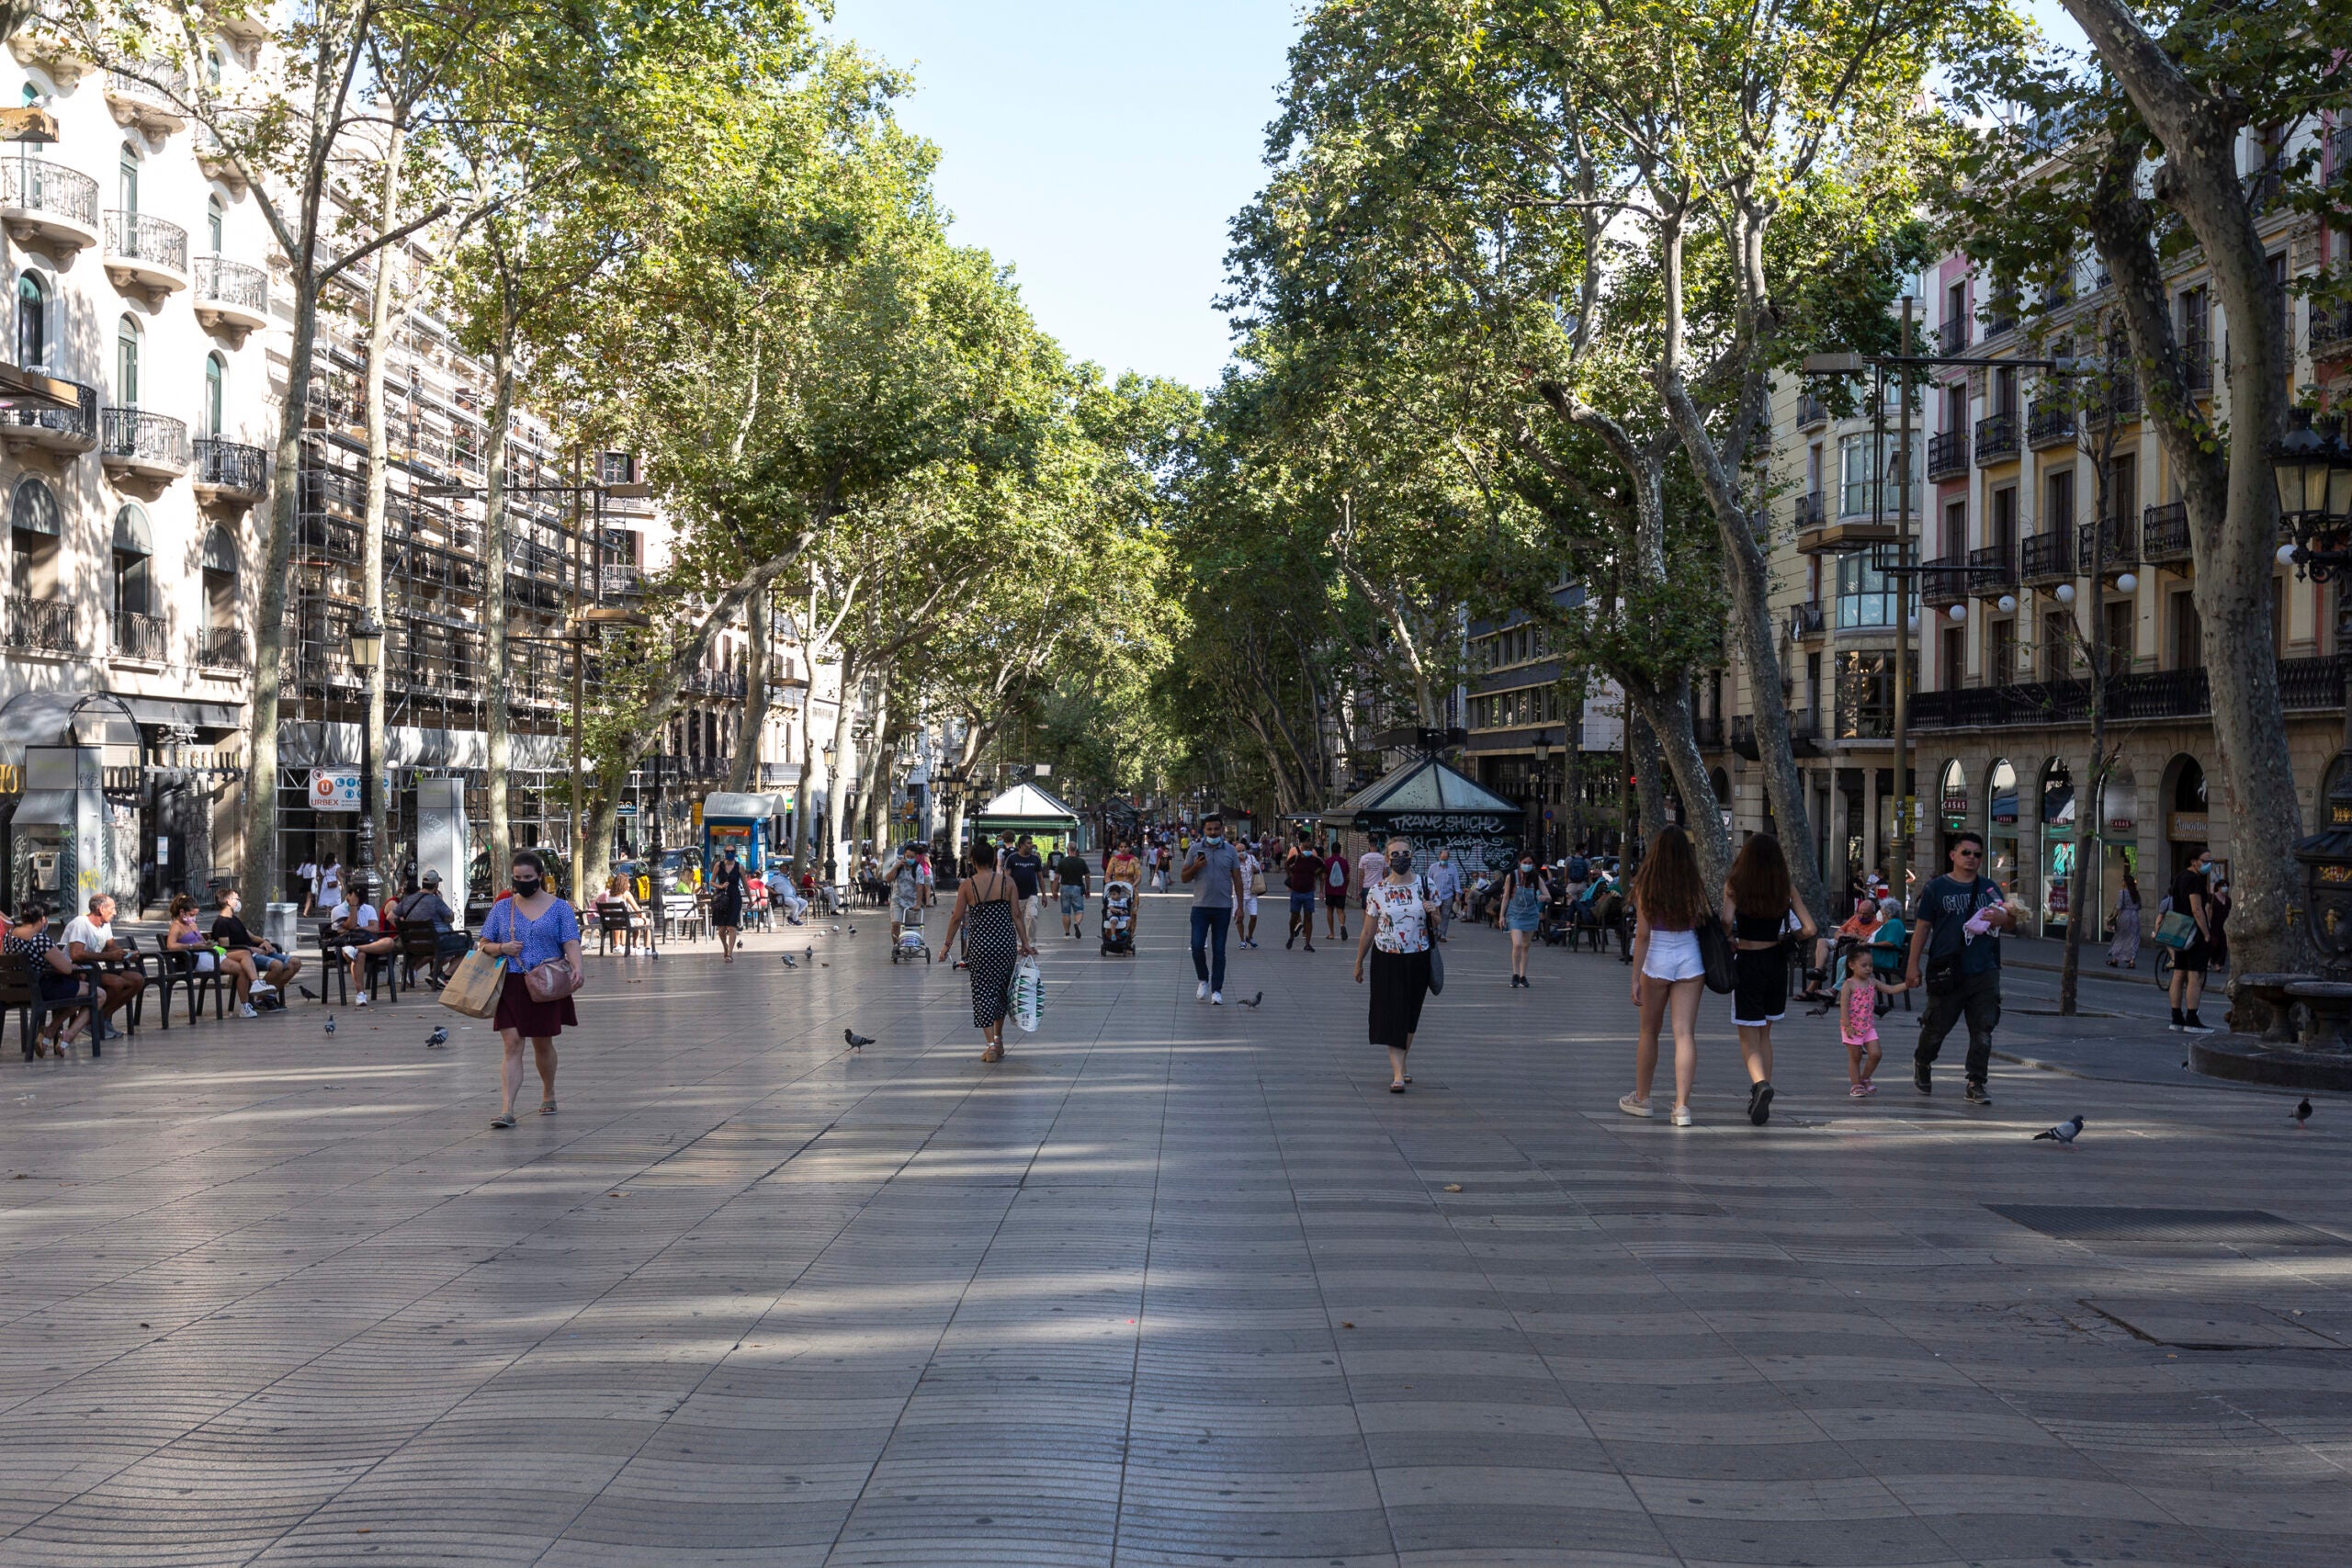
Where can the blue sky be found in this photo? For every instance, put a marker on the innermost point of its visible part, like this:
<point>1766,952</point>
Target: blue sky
<point>1100,149</point>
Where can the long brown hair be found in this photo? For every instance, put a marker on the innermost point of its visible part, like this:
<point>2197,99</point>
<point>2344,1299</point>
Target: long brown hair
<point>1759,879</point>
<point>1667,890</point>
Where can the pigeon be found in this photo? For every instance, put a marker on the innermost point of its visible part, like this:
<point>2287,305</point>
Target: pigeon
<point>837,925</point>
<point>2303,1110</point>
<point>308,995</point>
<point>812,952</point>
<point>1253,1001</point>
<point>438,1037</point>
<point>852,931</point>
<point>789,963</point>
<point>2062,1133</point>
<point>856,1042</point>
<point>330,1023</point>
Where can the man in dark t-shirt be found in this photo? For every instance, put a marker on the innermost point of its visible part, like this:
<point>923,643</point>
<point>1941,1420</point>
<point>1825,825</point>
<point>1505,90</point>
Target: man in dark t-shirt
<point>2192,895</point>
<point>1302,874</point>
<point>1956,952</point>
<point>1027,868</point>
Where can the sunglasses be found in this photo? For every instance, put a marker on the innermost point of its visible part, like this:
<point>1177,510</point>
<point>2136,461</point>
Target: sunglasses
<point>1970,854</point>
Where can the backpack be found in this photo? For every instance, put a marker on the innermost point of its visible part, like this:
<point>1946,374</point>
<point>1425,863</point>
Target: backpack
<point>1579,871</point>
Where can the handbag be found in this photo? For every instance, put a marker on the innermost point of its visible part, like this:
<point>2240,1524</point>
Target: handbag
<point>552,981</point>
<point>2176,931</point>
<point>1715,952</point>
<point>473,990</point>
<point>1028,999</point>
<point>1437,970</point>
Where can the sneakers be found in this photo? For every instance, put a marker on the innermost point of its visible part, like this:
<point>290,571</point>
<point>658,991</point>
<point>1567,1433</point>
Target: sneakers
<point>1681,1116</point>
<point>2192,1024</point>
<point>1976,1095</point>
<point>2177,1021</point>
<point>360,1001</point>
<point>1201,992</point>
<point>245,1010</point>
<point>1290,942</point>
<point>1759,1102</point>
<point>1922,1078</point>
<point>1632,1107</point>
<point>1310,947</point>
<point>1216,998</point>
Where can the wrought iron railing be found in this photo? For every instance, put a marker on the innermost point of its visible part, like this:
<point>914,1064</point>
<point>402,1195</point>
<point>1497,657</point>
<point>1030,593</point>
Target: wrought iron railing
<point>139,236</point>
<point>1996,437</point>
<point>1812,409</point>
<point>2163,531</point>
<point>2050,424</point>
<point>224,649</point>
<point>2048,556</point>
<point>2330,330</point>
<point>1947,454</point>
<point>1992,566</point>
<point>1707,730</point>
<point>232,465</point>
<point>219,281</point>
<point>1808,510</point>
<point>2119,535</point>
<point>137,436</point>
<point>77,426</point>
<point>1944,580</point>
<point>40,625</point>
<point>36,185</point>
<point>2305,685</point>
<point>140,636</point>
<point>2120,400</point>
<point>1805,621</point>
<point>1952,335</point>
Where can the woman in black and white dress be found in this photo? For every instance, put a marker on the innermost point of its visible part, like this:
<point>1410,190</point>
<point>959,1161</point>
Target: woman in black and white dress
<point>1397,933</point>
<point>987,911</point>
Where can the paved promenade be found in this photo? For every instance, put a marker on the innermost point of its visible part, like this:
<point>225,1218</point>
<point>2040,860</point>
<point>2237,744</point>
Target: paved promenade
<point>1172,1285</point>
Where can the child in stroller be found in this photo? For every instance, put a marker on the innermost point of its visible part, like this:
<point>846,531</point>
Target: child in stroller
<point>1118,917</point>
<point>910,944</point>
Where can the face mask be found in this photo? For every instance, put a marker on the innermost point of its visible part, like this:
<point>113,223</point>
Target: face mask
<point>1527,865</point>
<point>1401,861</point>
<point>1217,837</point>
<point>526,884</point>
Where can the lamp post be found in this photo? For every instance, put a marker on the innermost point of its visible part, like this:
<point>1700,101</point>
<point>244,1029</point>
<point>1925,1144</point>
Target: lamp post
<point>367,657</point>
<point>1543,788</point>
<point>2313,470</point>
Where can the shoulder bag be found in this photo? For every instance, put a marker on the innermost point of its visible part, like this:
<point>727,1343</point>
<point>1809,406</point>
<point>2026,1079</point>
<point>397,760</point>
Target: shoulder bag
<point>2176,931</point>
<point>551,981</point>
<point>1715,952</point>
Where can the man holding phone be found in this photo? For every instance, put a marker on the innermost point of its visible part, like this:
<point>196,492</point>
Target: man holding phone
<point>1214,870</point>
<point>1956,930</point>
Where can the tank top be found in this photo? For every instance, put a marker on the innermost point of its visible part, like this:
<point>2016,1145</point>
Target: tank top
<point>1757,928</point>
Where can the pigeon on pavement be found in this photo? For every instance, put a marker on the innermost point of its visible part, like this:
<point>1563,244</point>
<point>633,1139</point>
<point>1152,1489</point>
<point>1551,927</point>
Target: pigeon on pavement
<point>308,995</point>
<point>330,1023</point>
<point>2062,1133</point>
<point>438,1037</point>
<point>2303,1110</point>
<point>1253,1001</point>
<point>856,1042</point>
<point>789,963</point>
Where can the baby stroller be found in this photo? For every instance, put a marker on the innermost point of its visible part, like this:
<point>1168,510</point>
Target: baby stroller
<point>1118,917</point>
<point>910,945</point>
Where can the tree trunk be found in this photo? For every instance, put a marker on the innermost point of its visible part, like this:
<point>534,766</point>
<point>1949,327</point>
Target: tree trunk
<point>261,884</point>
<point>372,755</point>
<point>499,718</point>
<point>743,774</point>
<point>1649,775</point>
<point>1666,719</point>
<point>2199,132</point>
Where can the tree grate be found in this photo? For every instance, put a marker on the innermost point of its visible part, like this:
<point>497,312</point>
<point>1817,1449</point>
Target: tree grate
<point>2165,1227</point>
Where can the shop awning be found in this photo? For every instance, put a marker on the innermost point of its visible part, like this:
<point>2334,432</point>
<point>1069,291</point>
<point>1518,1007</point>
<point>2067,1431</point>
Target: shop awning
<point>1025,808</point>
<point>196,715</point>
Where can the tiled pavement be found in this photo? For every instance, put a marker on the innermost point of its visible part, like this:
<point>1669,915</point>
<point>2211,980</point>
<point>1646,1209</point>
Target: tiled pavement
<point>1170,1286</point>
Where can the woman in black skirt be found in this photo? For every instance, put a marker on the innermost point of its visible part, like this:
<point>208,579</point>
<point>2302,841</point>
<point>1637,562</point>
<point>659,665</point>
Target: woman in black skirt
<point>1759,900</point>
<point>532,927</point>
<point>1397,933</point>
<point>988,914</point>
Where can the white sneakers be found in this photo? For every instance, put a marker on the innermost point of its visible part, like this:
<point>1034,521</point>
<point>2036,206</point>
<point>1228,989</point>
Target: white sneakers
<point>245,1010</point>
<point>1681,1116</point>
<point>1201,992</point>
<point>1216,998</point>
<point>1632,1107</point>
<point>360,1001</point>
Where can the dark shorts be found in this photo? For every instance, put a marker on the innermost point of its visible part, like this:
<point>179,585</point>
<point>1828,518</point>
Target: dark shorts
<point>1301,901</point>
<point>1759,993</point>
<point>2194,959</point>
<point>1335,900</point>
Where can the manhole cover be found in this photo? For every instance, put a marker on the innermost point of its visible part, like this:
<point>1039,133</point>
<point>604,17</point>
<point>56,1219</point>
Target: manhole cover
<point>2165,1227</point>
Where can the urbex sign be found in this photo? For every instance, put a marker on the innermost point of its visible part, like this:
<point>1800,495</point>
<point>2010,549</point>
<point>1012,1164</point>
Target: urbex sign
<point>335,789</point>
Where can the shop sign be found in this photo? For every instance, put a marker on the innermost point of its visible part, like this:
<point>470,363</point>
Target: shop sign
<point>2187,825</point>
<point>2121,825</point>
<point>335,789</point>
<point>12,779</point>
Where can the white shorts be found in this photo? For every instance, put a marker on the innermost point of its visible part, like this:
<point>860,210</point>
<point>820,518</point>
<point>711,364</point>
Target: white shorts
<point>1674,955</point>
<point>1249,905</point>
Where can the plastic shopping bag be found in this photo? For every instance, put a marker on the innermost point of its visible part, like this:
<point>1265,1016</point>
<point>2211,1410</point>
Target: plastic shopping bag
<point>1028,994</point>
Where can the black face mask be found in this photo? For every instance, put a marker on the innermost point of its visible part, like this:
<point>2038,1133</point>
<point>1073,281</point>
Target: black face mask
<point>1401,861</point>
<point>526,885</point>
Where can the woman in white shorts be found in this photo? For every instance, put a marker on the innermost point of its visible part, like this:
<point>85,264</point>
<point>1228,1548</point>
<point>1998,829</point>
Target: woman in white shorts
<point>1670,900</point>
<point>1253,876</point>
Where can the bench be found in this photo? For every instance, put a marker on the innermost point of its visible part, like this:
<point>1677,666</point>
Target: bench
<point>20,994</point>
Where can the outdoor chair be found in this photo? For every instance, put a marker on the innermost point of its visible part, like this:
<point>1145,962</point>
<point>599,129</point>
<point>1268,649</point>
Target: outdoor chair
<point>334,971</point>
<point>612,921</point>
<point>19,994</point>
<point>420,948</point>
<point>179,969</point>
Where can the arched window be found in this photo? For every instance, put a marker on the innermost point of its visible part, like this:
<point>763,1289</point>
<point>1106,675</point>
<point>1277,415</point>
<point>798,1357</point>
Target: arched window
<point>32,320</point>
<point>219,580</point>
<point>33,509</point>
<point>133,548</point>
<point>127,180</point>
<point>215,215</point>
<point>35,526</point>
<point>126,364</point>
<point>216,387</point>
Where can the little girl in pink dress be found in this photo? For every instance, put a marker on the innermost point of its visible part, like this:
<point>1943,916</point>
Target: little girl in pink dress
<point>1857,1020</point>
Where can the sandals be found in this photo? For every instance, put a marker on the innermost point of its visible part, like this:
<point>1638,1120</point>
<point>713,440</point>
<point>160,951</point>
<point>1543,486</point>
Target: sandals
<point>994,1053</point>
<point>1397,1087</point>
<point>502,1121</point>
<point>547,1108</point>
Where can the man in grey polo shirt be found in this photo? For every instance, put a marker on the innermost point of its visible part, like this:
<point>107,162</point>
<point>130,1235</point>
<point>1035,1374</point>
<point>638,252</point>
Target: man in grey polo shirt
<point>1214,871</point>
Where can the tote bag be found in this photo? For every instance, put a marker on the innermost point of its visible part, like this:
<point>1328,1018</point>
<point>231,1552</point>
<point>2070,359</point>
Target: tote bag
<point>473,990</point>
<point>1715,951</point>
<point>1028,994</point>
<point>2176,931</point>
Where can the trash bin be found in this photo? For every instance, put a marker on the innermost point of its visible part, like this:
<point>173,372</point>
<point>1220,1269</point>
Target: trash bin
<point>278,925</point>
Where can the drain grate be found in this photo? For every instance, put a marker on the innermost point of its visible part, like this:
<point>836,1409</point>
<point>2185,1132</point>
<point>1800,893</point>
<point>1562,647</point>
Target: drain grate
<point>2165,1227</point>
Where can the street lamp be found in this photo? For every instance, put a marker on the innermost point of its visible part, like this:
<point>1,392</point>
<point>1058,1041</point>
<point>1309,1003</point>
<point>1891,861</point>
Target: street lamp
<point>2313,469</point>
<point>1543,785</point>
<point>367,657</point>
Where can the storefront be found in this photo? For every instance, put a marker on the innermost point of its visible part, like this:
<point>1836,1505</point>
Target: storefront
<point>2001,827</point>
<point>2060,849</point>
<point>2120,852</point>
<point>2188,829</point>
<point>1952,806</point>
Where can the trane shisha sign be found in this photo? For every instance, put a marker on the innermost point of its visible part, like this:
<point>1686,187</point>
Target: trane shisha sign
<point>335,789</point>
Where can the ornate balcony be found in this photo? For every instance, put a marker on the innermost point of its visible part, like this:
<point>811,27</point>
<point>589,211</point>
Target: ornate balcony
<point>1991,569</point>
<point>1996,437</point>
<point>146,253</point>
<point>2331,331</point>
<point>2049,557</point>
<point>1952,337</point>
<point>1811,410</point>
<point>2197,366</point>
<point>623,581</point>
<point>2163,532</point>
<point>1806,510</point>
<point>2119,539</point>
<point>231,296</point>
<point>40,625</point>
<point>148,96</point>
<point>2052,424</point>
<point>51,429</point>
<point>150,446</point>
<point>1807,622</point>
<point>1943,580</point>
<point>230,470</point>
<point>224,651</point>
<point>2305,685</point>
<point>50,205</point>
<point>1948,455</point>
<point>2120,401</point>
<point>51,51</point>
<point>141,637</point>
<point>212,155</point>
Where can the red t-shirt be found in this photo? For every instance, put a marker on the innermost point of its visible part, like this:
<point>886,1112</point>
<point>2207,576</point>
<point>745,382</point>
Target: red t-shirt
<point>1305,867</point>
<point>1336,877</point>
